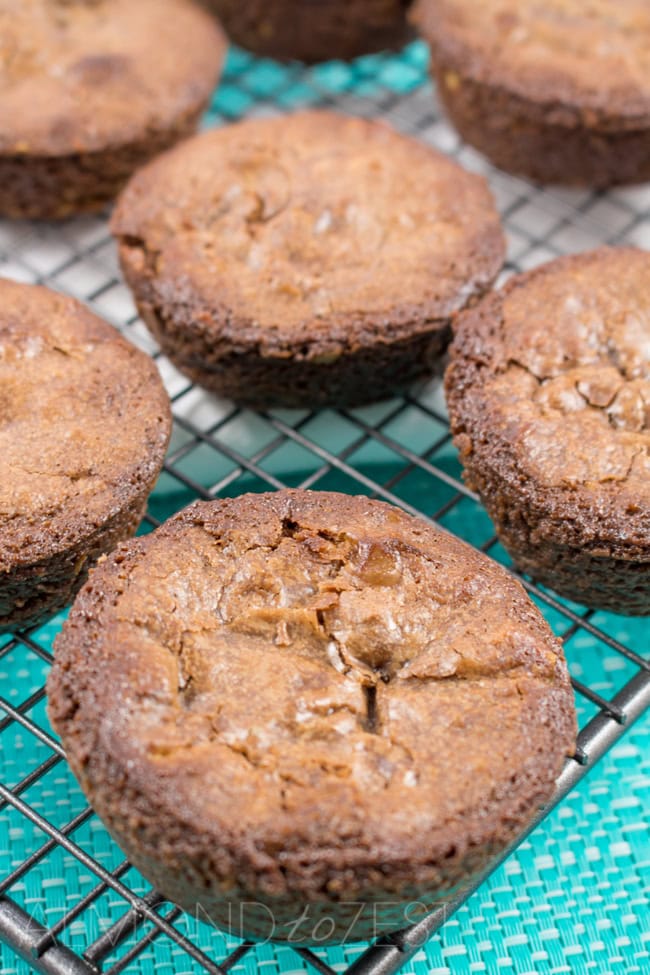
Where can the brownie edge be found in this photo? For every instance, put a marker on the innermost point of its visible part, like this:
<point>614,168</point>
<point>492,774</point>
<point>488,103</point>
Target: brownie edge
<point>308,260</point>
<point>90,91</point>
<point>84,426</point>
<point>557,92</point>
<point>548,390</point>
<point>324,30</point>
<point>342,713</point>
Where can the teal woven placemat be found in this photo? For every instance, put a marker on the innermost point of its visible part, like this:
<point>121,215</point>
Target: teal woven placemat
<point>575,897</point>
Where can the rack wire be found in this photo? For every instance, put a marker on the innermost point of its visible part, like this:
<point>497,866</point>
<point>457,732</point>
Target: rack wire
<point>399,451</point>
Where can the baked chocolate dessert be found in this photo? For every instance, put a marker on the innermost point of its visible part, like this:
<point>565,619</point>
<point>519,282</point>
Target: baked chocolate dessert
<point>307,260</point>
<point>307,716</point>
<point>549,398</point>
<point>90,90</point>
<point>84,425</point>
<point>557,91</point>
<point>318,30</point>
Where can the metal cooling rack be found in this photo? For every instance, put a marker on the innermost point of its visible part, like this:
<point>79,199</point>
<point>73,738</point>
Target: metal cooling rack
<point>399,451</point>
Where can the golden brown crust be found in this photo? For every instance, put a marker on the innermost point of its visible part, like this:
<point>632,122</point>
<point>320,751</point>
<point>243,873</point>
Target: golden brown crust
<point>556,91</point>
<point>310,241</point>
<point>85,96</point>
<point>309,698</point>
<point>84,425</point>
<point>579,61</point>
<point>549,396</point>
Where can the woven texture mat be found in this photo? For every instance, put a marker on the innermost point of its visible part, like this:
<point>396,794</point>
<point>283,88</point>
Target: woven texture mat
<point>575,896</point>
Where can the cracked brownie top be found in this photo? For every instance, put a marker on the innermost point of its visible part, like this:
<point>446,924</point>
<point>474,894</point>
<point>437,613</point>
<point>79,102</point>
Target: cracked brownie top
<point>550,384</point>
<point>84,423</point>
<point>314,228</point>
<point>311,690</point>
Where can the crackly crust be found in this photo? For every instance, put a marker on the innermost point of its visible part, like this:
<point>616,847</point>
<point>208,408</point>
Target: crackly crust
<point>549,397</point>
<point>305,260</point>
<point>84,425</point>
<point>307,698</point>
<point>558,92</point>
<point>314,32</point>
<point>86,98</point>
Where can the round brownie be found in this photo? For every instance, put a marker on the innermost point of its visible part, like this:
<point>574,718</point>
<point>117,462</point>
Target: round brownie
<point>549,397</point>
<point>307,716</point>
<point>84,425</point>
<point>311,259</point>
<point>316,31</point>
<point>557,91</point>
<point>90,90</point>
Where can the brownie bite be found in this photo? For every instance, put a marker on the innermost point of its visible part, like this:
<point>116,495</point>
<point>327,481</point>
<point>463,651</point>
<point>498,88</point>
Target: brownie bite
<point>90,90</point>
<point>342,713</point>
<point>320,30</point>
<point>556,91</point>
<point>549,397</point>
<point>307,260</point>
<point>84,425</point>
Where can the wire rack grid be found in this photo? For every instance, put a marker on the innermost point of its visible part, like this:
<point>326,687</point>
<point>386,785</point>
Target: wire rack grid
<point>94,912</point>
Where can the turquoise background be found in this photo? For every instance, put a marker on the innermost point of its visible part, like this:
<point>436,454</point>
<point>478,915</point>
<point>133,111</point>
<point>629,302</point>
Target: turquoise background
<point>575,897</point>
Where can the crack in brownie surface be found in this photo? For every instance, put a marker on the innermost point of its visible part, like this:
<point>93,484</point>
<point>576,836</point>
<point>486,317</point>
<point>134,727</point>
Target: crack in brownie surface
<point>289,222</point>
<point>319,678</point>
<point>568,365</point>
<point>549,395</point>
<point>308,260</point>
